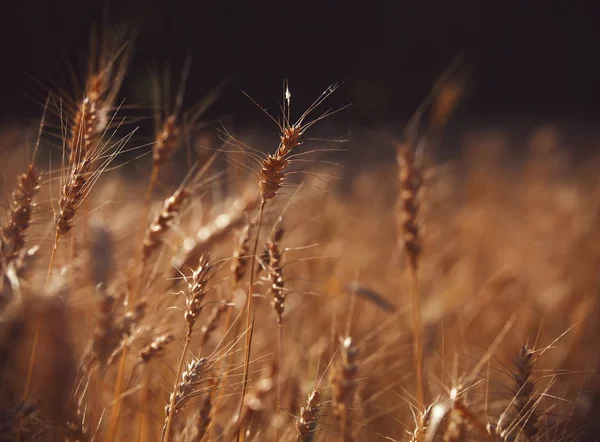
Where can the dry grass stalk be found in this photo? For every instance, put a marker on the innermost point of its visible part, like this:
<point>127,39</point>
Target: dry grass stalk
<point>306,425</point>
<point>343,387</point>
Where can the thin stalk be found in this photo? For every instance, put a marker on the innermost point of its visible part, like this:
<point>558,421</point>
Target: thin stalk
<point>165,436</point>
<point>249,311</point>
<point>417,334</point>
<point>116,411</point>
<point>29,379</point>
<point>278,403</point>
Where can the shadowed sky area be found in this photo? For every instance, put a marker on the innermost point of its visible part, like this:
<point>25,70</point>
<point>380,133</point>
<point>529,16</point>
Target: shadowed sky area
<point>525,58</point>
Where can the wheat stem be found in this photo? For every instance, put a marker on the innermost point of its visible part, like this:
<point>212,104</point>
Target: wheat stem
<point>167,431</point>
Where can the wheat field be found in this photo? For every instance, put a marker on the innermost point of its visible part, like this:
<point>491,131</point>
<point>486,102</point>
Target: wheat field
<point>191,284</point>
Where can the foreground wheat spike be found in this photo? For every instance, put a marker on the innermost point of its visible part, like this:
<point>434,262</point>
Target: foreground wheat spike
<point>12,238</point>
<point>271,175</point>
<point>80,179</point>
<point>197,290</point>
<point>343,387</point>
<point>306,425</point>
<point>189,381</point>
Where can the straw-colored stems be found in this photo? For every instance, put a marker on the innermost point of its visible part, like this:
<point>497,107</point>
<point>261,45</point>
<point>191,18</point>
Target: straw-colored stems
<point>249,303</point>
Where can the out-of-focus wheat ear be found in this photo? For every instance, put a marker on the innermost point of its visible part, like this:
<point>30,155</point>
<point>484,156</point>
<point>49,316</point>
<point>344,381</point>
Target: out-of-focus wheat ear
<point>106,333</point>
<point>306,425</point>
<point>104,80</point>
<point>343,387</point>
<point>524,401</point>
<point>13,419</point>
<point>204,416</point>
<point>215,230</point>
<point>155,349</point>
<point>101,253</point>
<point>275,267</point>
<point>167,140</point>
<point>254,403</point>
<point>12,238</point>
<point>239,263</point>
<point>456,430</point>
<point>213,322</point>
<point>410,177</point>
<point>12,234</point>
<point>276,236</point>
<point>160,225</point>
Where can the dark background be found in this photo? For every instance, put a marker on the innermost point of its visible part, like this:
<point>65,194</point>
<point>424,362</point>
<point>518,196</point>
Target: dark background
<point>527,59</point>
